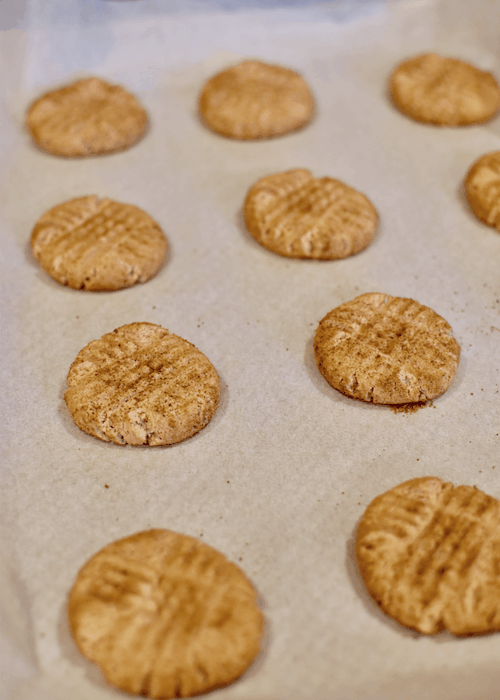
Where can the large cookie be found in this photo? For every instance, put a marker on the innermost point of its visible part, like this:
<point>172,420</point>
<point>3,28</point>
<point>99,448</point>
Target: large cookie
<point>86,118</point>
<point>387,350</point>
<point>164,615</point>
<point>98,244</point>
<point>299,216</point>
<point>482,186</point>
<point>255,100</point>
<point>141,385</point>
<point>429,555</point>
<point>444,91</point>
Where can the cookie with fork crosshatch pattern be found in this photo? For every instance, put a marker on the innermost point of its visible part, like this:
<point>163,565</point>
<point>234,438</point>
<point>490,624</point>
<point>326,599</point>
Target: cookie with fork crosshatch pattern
<point>98,245</point>
<point>165,615</point>
<point>299,216</point>
<point>255,100</point>
<point>444,91</point>
<point>88,117</point>
<point>482,186</point>
<point>141,385</point>
<point>429,555</point>
<point>386,350</point>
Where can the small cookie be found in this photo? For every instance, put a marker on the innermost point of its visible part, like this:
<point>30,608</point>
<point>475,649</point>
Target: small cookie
<point>86,118</point>
<point>141,385</point>
<point>482,186</point>
<point>429,554</point>
<point>444,91</point>
<point>255,100</point>
<point>299,216</point>
<point>386,350</point>
<point>98,244</point>
<point>165,616</point>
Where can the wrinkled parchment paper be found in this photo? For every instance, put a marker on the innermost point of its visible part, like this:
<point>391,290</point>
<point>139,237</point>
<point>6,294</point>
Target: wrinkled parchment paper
<point>281,476</point>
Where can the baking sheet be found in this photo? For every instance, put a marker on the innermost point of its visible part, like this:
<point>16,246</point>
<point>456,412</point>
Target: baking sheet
<point>280,477</point>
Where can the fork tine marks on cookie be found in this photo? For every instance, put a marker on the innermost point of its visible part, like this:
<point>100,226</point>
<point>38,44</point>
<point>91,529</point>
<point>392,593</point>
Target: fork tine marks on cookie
<point>183,619</point>
<point>299,216</point>
<point>429,554</point>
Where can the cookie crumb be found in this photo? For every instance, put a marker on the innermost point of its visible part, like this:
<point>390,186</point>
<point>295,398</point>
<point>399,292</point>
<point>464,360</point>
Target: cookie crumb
<point>409,407</point>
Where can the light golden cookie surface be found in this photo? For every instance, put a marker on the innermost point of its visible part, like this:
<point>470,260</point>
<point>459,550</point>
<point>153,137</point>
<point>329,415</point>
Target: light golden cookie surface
<point>88,117</point>
<point>429,554</point>
<point>482,186</point>
<point>98,244</point>
<point>296,215</point>
<point>165,615</point>
<point>255,100</point>
<point>444,91</point>
<point>141,385</point>
<point>386,350</point>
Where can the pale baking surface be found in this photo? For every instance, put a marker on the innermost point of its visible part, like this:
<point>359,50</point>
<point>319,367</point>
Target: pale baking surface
<point>283,472</point>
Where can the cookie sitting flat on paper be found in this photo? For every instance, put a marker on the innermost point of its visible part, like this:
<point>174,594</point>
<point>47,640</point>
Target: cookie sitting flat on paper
<point>255,100</point>
<point>386,350</point>
<point>444,91</point>
<point>299,216</point>
<point>165,615</point>
<point>88,117</point>
<point>141,385</point>
<point>482,186</point>
<point>98,244</point>
<point>429,554</point>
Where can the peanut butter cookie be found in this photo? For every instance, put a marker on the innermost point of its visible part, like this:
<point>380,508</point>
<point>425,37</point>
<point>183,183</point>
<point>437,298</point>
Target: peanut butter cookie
<point>165,616</point>
<point>482,186</point>
<point>255,100</point>
<point>98,244</point>
<point>299,216</point>
<point>444,91</point>
<point>86,118</point>
<point>141,385</point>
<point>386,350</point>
<point>429,554</point>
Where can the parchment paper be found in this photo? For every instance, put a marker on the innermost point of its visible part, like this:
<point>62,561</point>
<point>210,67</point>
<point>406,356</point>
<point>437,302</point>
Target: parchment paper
<point>281,476</point>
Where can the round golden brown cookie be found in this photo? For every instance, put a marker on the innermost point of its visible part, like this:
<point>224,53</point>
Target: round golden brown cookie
<point>387,350</point>
<point>444,91</point>
<point>86,118</point>
<point>141,385</point>
<point>164,615</point>
<point>429,554</point>
<point>299,216</point>
<point>255,100</point>
<point>98,244</point>
<point>482,186</point>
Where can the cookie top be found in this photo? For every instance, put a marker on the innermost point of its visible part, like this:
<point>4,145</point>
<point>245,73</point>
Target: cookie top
<point>429,554</point>
<point>299,216</point>
<point>164,615</point>
<point>141,385</point>
<point>86,118</point>
<point>386,350</point>
<point>482,186</point>
<point>255,100</point>
<point>98,244</point>
<point>444,91</point>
